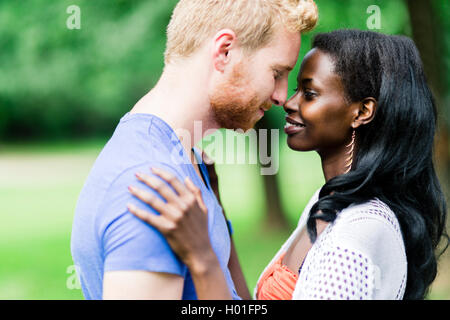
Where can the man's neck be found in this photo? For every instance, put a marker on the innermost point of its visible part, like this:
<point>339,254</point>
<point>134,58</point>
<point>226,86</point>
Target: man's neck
<point>182,103</point>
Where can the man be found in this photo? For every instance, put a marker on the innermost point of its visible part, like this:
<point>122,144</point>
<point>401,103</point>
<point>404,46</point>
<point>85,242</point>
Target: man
<point>226,63</point>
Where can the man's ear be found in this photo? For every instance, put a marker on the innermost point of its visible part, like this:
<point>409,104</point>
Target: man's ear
<point>224,41</point>
<point>366,110</point>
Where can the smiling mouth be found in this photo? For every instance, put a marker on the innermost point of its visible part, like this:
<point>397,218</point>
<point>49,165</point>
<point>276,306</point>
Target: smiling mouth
<point>291,123</point>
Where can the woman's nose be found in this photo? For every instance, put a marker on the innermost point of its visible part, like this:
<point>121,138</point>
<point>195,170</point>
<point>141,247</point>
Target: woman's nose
<point>291,105</point>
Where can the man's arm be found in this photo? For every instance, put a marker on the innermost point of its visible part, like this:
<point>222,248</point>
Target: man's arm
<point>184,223</point>
<point>138,261</point>
<point>142,285</point>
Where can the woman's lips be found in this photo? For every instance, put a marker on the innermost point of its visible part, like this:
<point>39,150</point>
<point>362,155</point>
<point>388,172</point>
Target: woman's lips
<point>293,126</point>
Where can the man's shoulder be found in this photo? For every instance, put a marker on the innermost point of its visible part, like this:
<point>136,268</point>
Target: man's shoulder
<point>116,195</point>
<point>133,148</point>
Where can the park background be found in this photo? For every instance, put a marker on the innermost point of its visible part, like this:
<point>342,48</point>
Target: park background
<point>63,91</point>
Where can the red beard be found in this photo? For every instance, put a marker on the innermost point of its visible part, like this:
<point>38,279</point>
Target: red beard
<point>235,104</point>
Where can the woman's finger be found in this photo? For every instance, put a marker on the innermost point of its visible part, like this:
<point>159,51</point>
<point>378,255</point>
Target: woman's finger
<point>152,219</point>
<point>150,199</point>
<point>165,209</point>
<point>158,185</point>
<point>197,193</point>
<point>171,180</point>
<point>161,223</point>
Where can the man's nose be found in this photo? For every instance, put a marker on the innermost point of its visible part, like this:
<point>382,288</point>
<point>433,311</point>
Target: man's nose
<point>279,96</point>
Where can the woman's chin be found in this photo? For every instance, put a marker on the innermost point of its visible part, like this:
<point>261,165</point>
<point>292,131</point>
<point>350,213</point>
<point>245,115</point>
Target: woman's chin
<point>297,145</point>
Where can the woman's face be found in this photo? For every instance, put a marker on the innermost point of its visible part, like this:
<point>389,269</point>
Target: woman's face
<point>318,116</point>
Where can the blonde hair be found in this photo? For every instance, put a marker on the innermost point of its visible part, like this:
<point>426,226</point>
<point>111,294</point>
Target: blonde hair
<point>253,21</point>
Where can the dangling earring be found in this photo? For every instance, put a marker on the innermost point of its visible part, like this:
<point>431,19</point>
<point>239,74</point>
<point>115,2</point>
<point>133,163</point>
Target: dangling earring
<point>349,160</point>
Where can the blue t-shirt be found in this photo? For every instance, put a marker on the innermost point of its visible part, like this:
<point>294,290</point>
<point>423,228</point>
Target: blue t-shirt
<point>107,237</point>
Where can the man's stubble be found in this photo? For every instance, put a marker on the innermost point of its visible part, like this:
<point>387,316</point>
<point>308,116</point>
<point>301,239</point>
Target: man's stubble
<point>234,103</point>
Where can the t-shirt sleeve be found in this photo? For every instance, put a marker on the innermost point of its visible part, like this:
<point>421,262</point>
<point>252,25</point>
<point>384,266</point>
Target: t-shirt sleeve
<point>128,242</point>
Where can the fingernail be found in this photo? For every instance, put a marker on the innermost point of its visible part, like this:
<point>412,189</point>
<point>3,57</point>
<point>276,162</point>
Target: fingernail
<point>131,188</point>
<point>138,174</point>
<point>131,207</point>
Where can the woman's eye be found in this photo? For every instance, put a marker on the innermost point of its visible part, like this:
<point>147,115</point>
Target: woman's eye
<point>309,94</point>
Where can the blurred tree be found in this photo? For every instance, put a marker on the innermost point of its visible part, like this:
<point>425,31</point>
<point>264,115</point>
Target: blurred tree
<point>59,83</point>
<point>430,34</point>
<point>275,218</point>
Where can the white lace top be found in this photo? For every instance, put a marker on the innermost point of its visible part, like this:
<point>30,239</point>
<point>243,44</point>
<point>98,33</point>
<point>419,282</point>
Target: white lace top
<point>361,255</point>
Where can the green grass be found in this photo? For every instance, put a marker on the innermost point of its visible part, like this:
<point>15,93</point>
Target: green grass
<point>37,268</point>
<point>39,187</point>
<point>38,194</point>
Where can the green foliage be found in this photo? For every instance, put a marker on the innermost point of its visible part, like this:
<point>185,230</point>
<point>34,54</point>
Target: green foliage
<point>57,83</point>
<point>443,15</point>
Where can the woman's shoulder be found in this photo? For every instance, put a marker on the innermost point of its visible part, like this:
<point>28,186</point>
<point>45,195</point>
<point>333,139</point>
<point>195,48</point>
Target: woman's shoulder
<point>370,219</point>
<point>361,253</point>
<point>370,227</point>
<point>373,210</point>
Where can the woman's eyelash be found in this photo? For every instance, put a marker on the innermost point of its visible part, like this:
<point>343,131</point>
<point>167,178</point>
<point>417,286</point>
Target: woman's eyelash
<point>307,93</point>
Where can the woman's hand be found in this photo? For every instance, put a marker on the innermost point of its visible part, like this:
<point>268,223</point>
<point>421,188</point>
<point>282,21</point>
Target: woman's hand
<point>183,220</point>
<point>184,223</point>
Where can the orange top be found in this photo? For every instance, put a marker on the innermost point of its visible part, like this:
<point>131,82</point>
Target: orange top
<point>277,283</point>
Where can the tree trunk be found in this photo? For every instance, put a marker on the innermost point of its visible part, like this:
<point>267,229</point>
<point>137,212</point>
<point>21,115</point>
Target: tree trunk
<point>428,35</point>
<point>275,217</point>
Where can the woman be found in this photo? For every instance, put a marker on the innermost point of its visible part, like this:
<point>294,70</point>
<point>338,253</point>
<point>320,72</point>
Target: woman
<point>372,230</point>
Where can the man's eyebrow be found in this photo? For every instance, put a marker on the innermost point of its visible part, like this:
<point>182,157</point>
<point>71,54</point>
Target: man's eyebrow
<point>283,67</point>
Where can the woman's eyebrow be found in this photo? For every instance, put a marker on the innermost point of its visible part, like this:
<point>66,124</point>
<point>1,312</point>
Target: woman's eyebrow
<point>304,81</point>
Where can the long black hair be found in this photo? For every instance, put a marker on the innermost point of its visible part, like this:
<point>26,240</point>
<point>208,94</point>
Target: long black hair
<point>393,160</point>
